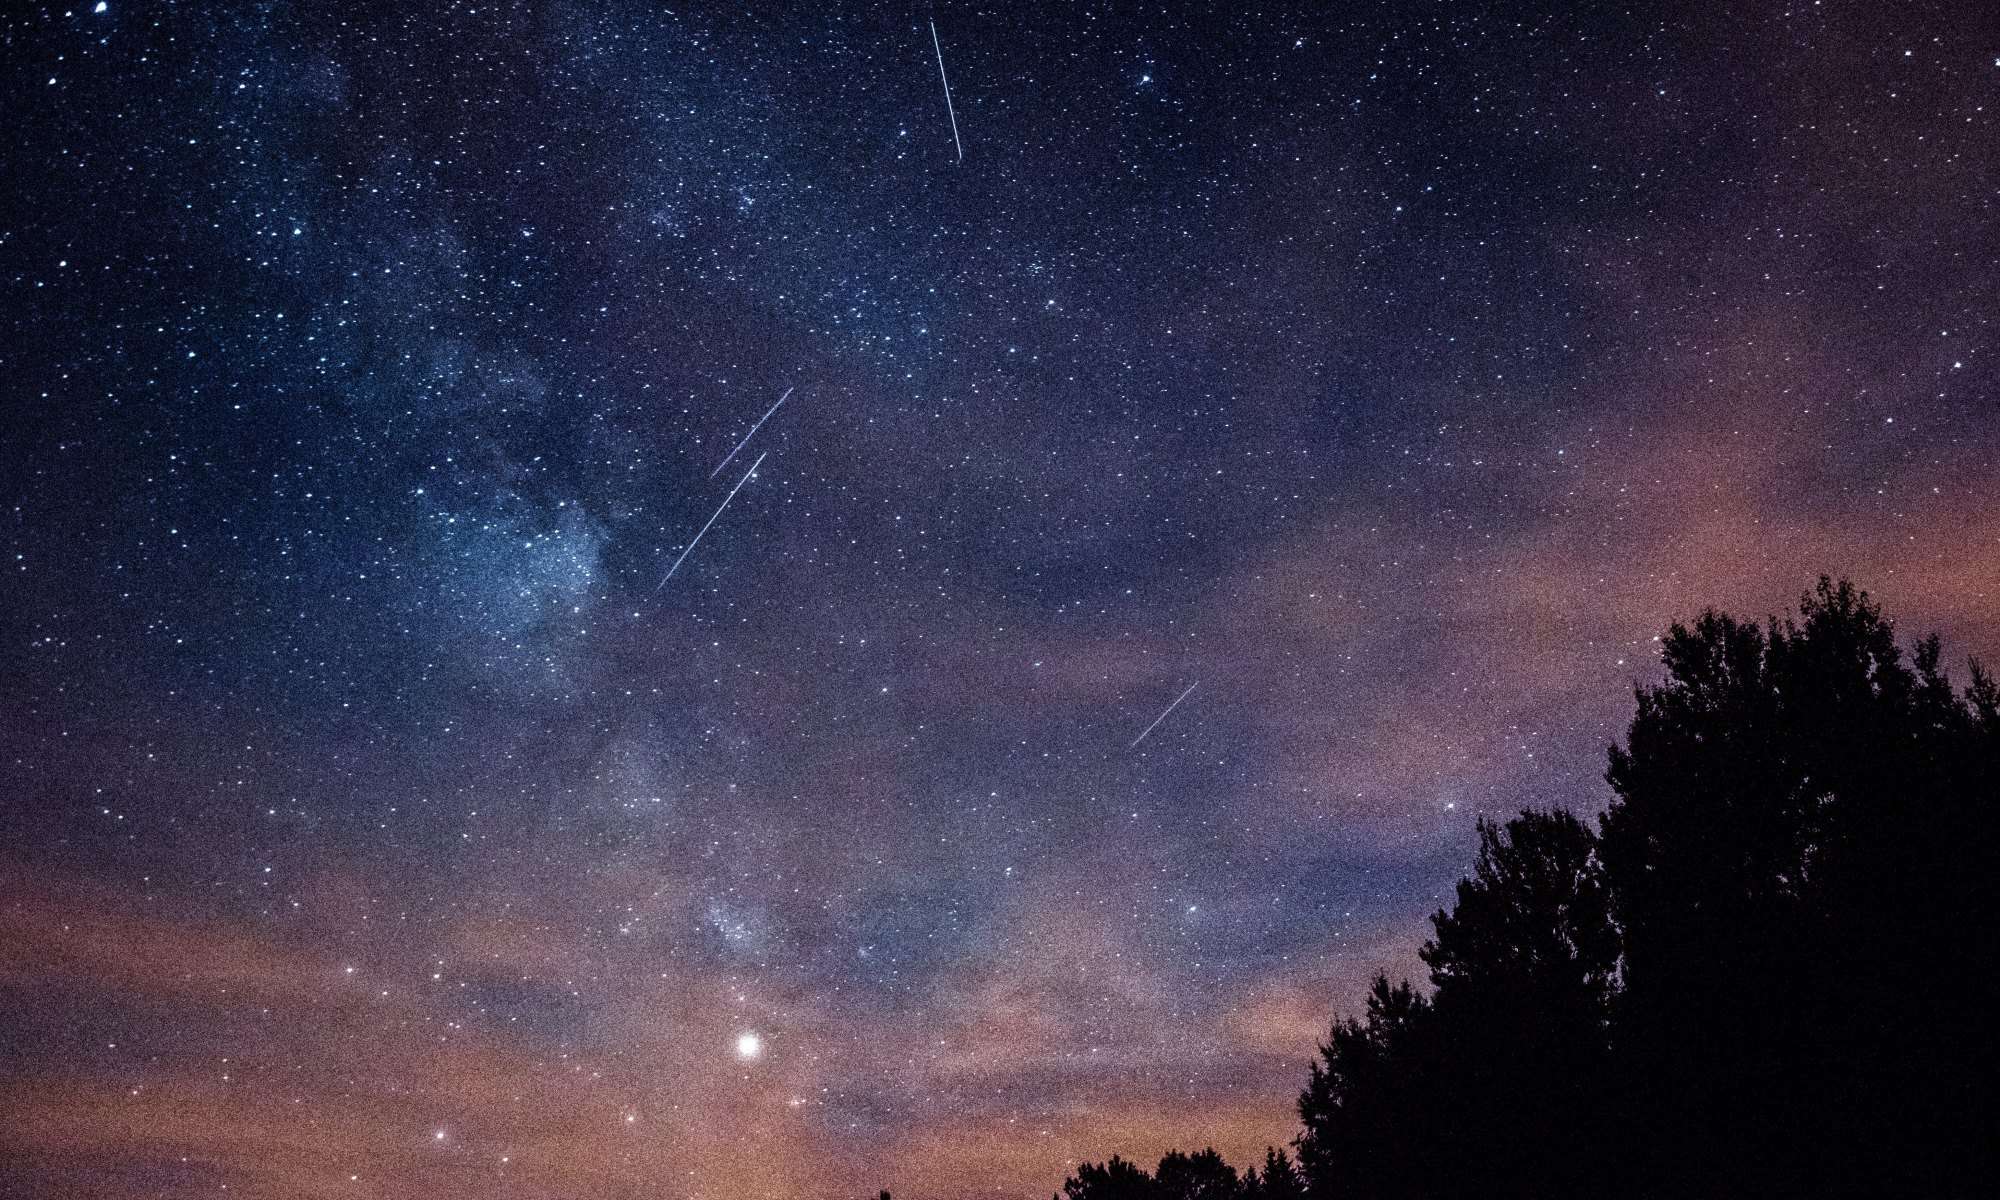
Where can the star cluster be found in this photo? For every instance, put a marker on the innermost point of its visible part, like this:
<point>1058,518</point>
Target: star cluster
<point>1272,447</point>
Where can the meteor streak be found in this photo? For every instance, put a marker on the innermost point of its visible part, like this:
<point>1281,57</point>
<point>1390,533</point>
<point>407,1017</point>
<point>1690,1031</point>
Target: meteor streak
<point>748,436</point>
<point>1163,715</point>
<point>948,110</point>
<point>711,521</point>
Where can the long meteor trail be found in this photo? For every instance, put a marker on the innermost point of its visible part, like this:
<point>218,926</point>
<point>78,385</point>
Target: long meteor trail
<point>711,521</point>
<point>948,110</point>
<point>1163,716</point>
<point>748,436</point>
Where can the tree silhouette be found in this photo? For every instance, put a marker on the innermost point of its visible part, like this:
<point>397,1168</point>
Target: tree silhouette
<point>1506,1062</point>
<point>1768,973</point>
<point>1115,1180</point>
<point>1180,1176</point>
<point>1522,970</point>
<point>1280,1180</point>
<point>1801,831</point>
<point>1369,1105</point>
<point>1199,1176</point>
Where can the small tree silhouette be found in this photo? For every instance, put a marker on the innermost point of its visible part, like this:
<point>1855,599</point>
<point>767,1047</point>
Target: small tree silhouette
<point>1199,1176</point>
<point>1280,1180</point>
<point>1115,1180</point>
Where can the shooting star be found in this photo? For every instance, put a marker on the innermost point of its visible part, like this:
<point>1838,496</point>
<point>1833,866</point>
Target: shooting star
<point>1163,716</point>
<point>711,521</point>
<point>748,436</point>
<point>948,110</point>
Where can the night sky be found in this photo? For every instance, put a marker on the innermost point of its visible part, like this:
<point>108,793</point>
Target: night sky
<point>379,819</point>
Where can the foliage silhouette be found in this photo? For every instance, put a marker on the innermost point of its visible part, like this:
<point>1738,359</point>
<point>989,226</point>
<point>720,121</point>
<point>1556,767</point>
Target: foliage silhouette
<point>1115,1180</point>
<point>1180,1176</point>
<point>1800,833</point>
<point>1280,1181</point>
<point>1767,973</point>
<point>1200,1176</point>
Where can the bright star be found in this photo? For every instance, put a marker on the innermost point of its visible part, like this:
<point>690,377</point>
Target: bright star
<point>749,1046</point>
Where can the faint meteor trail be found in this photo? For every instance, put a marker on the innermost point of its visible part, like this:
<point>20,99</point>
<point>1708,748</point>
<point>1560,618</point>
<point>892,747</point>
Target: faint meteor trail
<point>1163,715</point>
<point>704,529</point>
<point>748,436</point>
<point>948,110</point>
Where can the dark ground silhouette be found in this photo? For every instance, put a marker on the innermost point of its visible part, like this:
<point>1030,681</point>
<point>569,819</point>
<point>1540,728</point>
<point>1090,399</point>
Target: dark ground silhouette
<point>1768,971</point>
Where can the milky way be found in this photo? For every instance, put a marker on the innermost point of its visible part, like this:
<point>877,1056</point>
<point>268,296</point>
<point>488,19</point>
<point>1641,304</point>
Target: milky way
<point>375,824</point>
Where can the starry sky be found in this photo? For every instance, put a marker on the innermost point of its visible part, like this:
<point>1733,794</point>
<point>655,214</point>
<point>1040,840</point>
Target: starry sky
<point>380,818</point>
